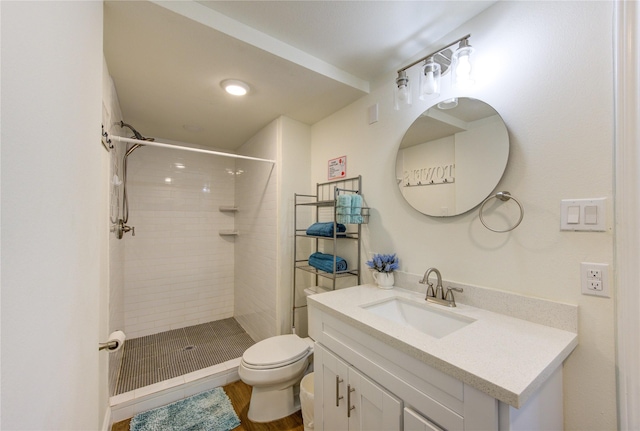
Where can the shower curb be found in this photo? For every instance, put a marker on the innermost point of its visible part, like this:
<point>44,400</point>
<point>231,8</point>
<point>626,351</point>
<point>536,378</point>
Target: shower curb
<point>128,404</point>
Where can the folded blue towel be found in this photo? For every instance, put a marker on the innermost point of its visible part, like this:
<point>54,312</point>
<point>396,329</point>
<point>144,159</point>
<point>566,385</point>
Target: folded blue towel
<point>324,262</point>
<point>356,209</point>
<point>325,229</point>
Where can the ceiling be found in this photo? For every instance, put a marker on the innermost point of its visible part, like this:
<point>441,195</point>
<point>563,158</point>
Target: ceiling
<point>302,59</point>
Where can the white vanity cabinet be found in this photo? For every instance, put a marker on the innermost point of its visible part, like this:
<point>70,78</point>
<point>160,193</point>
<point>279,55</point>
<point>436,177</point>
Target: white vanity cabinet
<point>391,390</point>
<point>350,400</point>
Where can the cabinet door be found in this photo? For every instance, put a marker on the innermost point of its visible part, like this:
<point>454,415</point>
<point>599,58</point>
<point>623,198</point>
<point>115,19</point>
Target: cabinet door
<point>335,376</point>
<point>416,422</point>
<point>372,408</point>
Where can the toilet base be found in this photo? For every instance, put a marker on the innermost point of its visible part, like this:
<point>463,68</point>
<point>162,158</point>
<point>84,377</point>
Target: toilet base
<point>269,405</point>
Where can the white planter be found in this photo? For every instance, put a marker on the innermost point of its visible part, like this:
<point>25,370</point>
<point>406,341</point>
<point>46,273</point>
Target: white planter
<point>384,280</point>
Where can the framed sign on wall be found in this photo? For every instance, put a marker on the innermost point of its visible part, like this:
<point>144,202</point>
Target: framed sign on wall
<point>337,168</point>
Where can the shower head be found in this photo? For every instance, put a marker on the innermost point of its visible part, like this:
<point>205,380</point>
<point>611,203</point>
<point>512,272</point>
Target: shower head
<point>136,134</point>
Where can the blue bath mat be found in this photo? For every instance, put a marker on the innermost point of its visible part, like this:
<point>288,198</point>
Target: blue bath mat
<point>207,411</point>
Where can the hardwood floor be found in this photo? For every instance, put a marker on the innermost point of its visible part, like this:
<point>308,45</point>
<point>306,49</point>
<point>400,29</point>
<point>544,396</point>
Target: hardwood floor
<point>239,393</point>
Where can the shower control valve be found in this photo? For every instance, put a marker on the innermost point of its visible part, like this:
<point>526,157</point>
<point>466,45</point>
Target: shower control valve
<point>126,229</point>
<point>120,229</point>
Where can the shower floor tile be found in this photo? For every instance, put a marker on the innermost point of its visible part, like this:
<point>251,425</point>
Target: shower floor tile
<point>154,358</point>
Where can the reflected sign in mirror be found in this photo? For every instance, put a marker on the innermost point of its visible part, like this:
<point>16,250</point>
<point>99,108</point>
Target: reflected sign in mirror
<point>452,157</point>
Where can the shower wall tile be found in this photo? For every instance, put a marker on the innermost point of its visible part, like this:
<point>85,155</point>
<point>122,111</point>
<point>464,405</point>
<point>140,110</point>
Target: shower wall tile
<point>178,270</point>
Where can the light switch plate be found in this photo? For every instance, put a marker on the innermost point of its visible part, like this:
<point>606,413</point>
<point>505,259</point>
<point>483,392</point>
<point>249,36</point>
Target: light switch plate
<point>591,216</point>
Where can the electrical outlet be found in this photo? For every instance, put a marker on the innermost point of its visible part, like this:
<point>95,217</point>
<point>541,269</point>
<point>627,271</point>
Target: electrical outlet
<point>595,279</point>
<point>594,273</point>
<point>594,284</point>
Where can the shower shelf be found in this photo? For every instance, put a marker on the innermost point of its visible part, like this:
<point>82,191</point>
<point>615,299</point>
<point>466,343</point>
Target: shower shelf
<point>228,209</point>
<point>228,232</point>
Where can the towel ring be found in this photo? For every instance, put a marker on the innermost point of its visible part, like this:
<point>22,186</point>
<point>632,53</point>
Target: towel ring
<point>503,196</point>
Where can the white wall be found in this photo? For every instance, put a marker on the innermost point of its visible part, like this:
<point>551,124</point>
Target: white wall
<point>294,167</point>
<point>178,270</point>
<point>54,217</point>
<point>546,67</point>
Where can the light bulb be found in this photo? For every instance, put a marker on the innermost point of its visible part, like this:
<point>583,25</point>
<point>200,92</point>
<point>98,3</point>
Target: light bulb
<point>430,83</point>
<point>402,93</point>
<point>430,79</point>
<point>462,65</point>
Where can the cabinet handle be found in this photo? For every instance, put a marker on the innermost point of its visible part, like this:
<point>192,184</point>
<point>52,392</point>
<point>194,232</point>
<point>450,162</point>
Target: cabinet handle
<point>349,406</point>
<point>338,397</point>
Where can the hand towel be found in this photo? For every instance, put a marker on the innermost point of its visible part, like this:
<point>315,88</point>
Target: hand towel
<point>343,208</point>
<point>325,229</point>
<point>324,262</point>
<point>356,209</point>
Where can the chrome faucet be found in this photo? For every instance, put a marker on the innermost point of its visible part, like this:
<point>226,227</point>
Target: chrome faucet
<point>430,291</point>
<point>438,296</point>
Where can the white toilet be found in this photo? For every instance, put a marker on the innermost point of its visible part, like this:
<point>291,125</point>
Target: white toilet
<point>274,367</point>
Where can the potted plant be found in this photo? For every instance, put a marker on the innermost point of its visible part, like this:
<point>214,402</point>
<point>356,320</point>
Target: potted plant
<point>383,266</point>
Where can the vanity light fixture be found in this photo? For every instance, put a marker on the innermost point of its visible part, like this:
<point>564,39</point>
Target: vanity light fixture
<point>235,87</point>
<point>436,65</point>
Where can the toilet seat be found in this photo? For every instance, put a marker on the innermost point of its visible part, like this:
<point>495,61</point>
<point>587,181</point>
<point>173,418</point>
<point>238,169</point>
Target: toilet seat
<point>276,352</point>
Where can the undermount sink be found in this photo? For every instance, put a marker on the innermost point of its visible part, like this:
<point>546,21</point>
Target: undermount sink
<point>425,318</point>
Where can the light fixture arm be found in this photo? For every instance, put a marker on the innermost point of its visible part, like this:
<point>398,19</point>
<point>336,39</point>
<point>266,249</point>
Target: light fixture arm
<point>434,53</point>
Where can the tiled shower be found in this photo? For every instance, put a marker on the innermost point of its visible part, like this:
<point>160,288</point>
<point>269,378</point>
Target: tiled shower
<point>180,269</point>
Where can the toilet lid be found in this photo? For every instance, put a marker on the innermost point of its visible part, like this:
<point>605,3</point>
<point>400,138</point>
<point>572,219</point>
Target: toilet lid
<point>276,351</point>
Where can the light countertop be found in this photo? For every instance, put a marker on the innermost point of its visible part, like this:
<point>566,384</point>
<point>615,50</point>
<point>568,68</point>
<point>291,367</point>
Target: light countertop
<point>505,357</point>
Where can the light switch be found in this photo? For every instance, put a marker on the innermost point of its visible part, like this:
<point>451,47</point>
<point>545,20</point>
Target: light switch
<point>590,214</point>
<point>573,214</point>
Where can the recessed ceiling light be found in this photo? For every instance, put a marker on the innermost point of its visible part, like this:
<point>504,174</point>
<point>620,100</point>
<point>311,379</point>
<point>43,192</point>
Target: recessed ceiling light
<point>235,87</point>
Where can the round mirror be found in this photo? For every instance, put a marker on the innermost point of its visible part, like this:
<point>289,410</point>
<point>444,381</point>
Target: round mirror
<point>452,157</point>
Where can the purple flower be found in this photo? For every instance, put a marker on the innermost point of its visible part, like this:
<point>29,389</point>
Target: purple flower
<point>383,262</point>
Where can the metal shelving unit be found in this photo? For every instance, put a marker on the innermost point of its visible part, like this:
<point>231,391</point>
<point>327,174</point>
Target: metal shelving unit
<point>324,202</point>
